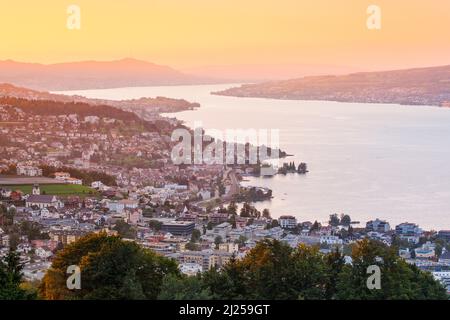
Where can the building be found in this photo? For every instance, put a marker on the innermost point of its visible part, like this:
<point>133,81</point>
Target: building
<point>230,247</point>
<point>378,225</point>
<point>42,201</point>
<point>222,230</point>
<point>29,171</point>
<point>65,177</point>
<point>444,235</point>
<point>287,222</point>
<point>178,228</point>
<point>207,259</point>
<point>61,176</point>
<point>218,217</point>
<point>120,206</point>
<point>332,240</point>
<point>426,251</point>
<point>445,258</point>
<point>409,232</point>
<point>65,236</point>
<point>36,190</point>
<point>444,278</point>
<point>190,269</point>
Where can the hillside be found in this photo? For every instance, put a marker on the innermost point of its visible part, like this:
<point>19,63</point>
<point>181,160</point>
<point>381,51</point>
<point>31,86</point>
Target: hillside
<point>421,86</point>
<point>150,105</point>
<point>92,75</point>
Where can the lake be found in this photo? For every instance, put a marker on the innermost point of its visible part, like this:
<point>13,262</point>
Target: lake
<point>367,160</point>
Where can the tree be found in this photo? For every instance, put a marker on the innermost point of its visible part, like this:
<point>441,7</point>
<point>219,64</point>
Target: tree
<point>266,213</point>
<point>241,241</point>
<point>274,270</point>
<point>184,288</point>
<point>154,224</point>
<point>110,269</point>
<point>399,280</point>
<point>232,221</point>
<point>345,220</point>
<point>125,230</point>
<point>6,216</point>
<point>191,246</point>
<point>195,235</point>
<point>273,224</point>
<point>11,278</point>
<point>334,220</point>
<point>245,210</point>
<point>232,208</point>
<point>218,240</point>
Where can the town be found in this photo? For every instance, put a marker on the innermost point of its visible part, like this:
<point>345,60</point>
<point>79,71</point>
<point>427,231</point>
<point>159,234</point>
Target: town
<point>65,175</point>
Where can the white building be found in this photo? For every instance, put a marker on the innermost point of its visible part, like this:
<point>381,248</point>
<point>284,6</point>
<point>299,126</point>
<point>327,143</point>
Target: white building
<point>190,269</point>
<point>120,206</point>
<point>287,222</point>
<point>29,171</point>
<point>43,201</point>
<point>330,239</point>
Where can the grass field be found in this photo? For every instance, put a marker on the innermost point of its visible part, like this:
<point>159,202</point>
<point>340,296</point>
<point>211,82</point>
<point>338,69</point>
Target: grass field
<point>56,189</point>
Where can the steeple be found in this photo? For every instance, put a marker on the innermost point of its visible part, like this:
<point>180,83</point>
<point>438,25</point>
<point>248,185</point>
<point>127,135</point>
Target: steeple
<point>36,189</point>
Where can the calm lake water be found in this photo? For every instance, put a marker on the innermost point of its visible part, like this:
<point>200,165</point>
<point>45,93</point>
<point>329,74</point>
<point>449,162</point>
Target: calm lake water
<point>367,160</point>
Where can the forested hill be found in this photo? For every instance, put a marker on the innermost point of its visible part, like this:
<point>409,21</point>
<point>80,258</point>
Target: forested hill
<point>420,86</point>
<point>152,105</point>
<point>55,108</point>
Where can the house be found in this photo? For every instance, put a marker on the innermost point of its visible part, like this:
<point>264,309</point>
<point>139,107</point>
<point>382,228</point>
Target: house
<point>74,181</point>
<point>445,257</point>
<point>221,230</point>
<point>206,258</point>
<point>404,253</point>
<point>65,177</point>
<point>43,252</point>
<point>120,206</point>
<point>426,251</point>
<point>204,194</point>
<point>328,239</point>
<point>444,234</point>
<point>218,217</point>
<point>444,278</point>
<point>230,247</point>
<point>43,201</point>
<point>99,186</point>
<point>49,213</point>
<point>190,269</point>
<point>61,176</point>
<point>6,193</point>
<point>378,225</point>
<point>133,216</point>
<point>409,232</point>
<point>287,222</point>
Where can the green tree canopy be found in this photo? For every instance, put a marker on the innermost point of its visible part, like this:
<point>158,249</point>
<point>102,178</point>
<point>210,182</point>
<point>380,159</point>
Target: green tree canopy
<point>11,278</point>
<point>110,269</point>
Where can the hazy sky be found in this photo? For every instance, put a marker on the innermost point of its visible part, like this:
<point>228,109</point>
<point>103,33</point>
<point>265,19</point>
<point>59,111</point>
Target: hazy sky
<point>187,33</point>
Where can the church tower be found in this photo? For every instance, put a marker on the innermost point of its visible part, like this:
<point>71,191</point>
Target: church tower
<point>36,189</point>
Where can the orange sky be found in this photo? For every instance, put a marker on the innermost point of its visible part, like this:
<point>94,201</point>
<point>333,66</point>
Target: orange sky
<point>188,33</point>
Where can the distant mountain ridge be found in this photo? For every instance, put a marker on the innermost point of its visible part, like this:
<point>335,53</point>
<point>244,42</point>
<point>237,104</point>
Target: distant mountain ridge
<point>419,86</point>
<point>93,75</point>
